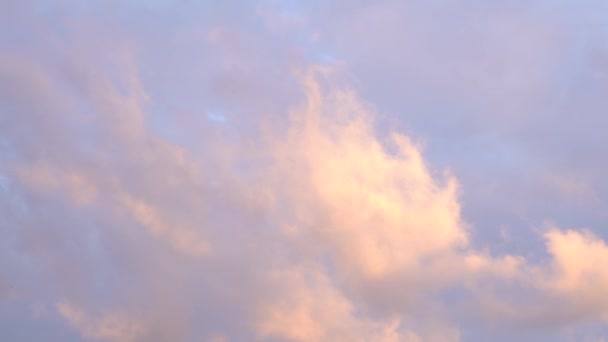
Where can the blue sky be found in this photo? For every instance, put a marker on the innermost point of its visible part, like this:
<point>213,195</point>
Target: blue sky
<point>303,170</point>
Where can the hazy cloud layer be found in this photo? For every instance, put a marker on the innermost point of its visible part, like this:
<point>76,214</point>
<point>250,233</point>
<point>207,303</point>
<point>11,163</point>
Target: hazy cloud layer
<point>303,171</point>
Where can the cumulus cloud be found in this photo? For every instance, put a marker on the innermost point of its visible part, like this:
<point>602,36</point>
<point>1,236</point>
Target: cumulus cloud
<point>576,274</point>
<point>129,215</point>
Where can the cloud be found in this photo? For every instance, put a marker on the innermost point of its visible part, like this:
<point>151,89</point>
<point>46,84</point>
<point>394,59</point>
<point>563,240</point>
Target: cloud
<point>109,327</point>
<point>577,276</point>
<point>309,308</point>
<point>378,212</point>
<point>74,185</point>
<point>135,216</point>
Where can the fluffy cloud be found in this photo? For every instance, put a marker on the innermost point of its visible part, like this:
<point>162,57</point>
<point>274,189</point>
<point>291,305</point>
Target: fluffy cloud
<point>576,273</point>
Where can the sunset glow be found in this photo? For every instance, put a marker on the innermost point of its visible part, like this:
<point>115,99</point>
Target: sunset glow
<point>287,170</point>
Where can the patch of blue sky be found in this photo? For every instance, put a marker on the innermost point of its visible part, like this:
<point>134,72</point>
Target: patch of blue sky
<point>317,54</point>
<point>325,58</point>
<point>314,52</point>
<point>216,116</point>
<point>161,122</point>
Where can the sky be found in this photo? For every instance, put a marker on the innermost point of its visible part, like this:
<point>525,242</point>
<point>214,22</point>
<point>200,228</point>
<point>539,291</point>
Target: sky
<point>291,170</point>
